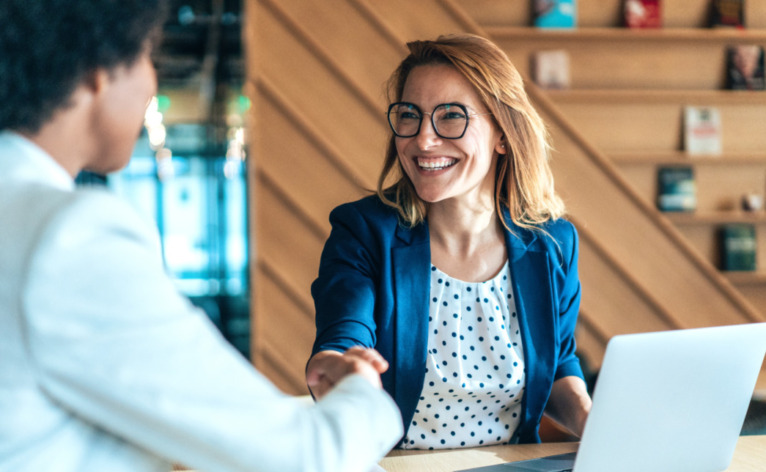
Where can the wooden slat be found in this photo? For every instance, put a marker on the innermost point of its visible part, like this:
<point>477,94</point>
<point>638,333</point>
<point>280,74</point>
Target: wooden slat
<point>287,244</point>
<point>423,19</point>
<point>285,338</point>
<point>335,107</point>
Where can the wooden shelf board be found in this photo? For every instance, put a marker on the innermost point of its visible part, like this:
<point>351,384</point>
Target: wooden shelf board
<point>620,97</point>
<point>626,34</point>
<point>682,158</point>
<point>745,278</point>
<point>716,217</point>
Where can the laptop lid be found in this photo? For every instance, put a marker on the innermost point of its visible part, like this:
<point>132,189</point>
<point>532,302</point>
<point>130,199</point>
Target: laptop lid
<point>672,400</point>
<point>666,401</point>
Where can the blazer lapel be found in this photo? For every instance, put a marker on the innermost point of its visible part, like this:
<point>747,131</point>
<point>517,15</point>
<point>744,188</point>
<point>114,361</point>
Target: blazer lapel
<point>411,267</point>
<point>534,304</point>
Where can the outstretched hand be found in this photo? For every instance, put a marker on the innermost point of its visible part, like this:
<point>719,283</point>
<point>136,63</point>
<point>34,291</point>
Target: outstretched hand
<point>327,368</point>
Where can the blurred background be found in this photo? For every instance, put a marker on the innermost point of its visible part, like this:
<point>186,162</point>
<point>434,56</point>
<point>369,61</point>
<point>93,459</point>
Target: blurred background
<point>188,170</point>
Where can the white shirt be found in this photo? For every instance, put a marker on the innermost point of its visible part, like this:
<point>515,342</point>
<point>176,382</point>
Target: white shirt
<point>105,367</point>
<point>474,378</point>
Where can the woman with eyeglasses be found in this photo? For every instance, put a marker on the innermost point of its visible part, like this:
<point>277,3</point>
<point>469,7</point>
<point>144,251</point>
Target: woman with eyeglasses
<point>458,279</point>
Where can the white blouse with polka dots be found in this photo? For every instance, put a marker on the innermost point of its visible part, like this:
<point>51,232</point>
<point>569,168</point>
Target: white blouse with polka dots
<point>474,379</point>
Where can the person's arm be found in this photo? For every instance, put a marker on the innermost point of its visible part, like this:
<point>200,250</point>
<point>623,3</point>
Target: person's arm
<point>569,404</point>
<point>345,293</point>
<point>115,344</point>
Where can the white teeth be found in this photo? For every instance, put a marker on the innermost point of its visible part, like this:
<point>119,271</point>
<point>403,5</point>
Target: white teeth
<point>436,164</point>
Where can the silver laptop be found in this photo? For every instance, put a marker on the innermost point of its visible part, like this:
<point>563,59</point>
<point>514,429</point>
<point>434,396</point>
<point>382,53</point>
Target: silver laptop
<point>666,401</point>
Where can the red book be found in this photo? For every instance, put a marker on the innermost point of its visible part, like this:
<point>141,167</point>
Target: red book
<point>642,14</point>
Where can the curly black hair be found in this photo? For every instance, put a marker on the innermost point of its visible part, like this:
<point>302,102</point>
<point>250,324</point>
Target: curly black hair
<point>47,47</point>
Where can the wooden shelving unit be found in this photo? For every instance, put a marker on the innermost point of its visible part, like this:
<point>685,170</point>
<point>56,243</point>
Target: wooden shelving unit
<point>628,91</point>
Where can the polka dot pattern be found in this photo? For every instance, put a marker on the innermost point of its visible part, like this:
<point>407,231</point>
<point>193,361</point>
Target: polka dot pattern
<point>474,378</point>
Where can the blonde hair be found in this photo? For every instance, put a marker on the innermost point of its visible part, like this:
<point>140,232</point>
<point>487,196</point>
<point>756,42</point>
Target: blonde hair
<point>524,181</point>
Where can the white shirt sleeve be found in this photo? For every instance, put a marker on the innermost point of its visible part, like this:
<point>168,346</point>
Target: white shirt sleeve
<point>114,343</point>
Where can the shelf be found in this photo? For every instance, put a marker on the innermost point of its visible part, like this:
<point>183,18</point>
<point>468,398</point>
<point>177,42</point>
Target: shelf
<point>695,97</point>
<point>745,278</point>
<point>716,217</point>
<point>682,158</point>
<point>723,35</point>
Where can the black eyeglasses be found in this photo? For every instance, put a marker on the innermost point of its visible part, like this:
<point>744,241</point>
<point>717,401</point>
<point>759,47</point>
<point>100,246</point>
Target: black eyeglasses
<point>450,120</point>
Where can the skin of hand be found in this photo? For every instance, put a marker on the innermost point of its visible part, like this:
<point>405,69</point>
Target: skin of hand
<point>569,404</point>
<point>327,368</point>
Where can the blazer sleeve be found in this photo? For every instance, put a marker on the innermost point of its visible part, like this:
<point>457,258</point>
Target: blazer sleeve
<point>569,291</point>
<point>345,290</point>
<point>115,344</point>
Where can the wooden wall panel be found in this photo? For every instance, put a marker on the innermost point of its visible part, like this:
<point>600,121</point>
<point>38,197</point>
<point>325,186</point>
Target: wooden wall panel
<point>330,104</point>
<point>324,21</point>
<point>301,167</point>
<point>624,310</point>
<point>289,330</point>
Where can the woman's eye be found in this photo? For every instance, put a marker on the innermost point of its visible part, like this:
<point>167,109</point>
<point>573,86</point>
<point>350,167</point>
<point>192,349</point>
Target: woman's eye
<point>408,115</point>
<point>453,115</point>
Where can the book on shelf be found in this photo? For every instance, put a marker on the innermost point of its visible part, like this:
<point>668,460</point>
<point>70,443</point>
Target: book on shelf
<point>727,13</point>
<point>702,130</point>
<point>738,247</point>
<point>555,13</point>
<point>550,69</point>
<point>642,13</point>
<point>744,67</point>
<point>676,189</point>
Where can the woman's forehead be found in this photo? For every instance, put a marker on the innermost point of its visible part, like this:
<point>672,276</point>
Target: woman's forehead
<point>430,85</point>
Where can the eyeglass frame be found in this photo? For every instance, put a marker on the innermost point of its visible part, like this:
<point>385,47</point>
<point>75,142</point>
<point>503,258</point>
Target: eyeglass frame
<point>431,114</point>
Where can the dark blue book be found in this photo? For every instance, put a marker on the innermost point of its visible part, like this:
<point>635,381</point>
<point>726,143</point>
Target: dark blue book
<point>738,247</point>
<point>676,189</point>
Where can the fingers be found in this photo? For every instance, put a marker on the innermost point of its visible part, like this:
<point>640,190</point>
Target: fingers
<point>320,372</point>
<point>327,368</point>
<point>370,355</point>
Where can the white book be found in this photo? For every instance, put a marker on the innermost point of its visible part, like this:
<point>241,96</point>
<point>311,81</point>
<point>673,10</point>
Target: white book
<point>550,69</point>
<point>702,130</point>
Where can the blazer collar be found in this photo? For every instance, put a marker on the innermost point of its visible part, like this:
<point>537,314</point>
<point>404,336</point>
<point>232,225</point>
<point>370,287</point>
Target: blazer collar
<point>518,240</point>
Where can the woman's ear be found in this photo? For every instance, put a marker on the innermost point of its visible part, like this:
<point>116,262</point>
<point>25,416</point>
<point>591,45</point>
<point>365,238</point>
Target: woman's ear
<point>96,81</point>
<point>501,147</point>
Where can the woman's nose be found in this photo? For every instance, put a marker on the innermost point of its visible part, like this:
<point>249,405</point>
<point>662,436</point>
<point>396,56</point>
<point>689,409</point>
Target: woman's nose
<point>427,137</point>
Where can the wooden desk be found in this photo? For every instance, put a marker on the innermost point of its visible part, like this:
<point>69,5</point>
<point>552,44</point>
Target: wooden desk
<point>750,456</point>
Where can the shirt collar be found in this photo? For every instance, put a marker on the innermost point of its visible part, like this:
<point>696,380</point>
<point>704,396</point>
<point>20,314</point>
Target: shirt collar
<point>28,161</point>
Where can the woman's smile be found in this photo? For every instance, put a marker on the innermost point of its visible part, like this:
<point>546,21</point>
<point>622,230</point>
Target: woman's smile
<point>433,164</point>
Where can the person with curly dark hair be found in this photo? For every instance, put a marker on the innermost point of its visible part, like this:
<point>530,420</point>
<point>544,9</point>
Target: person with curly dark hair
<point>104,366</point>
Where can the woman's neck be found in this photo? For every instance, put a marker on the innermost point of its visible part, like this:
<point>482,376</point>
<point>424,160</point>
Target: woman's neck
<point>467,242</point>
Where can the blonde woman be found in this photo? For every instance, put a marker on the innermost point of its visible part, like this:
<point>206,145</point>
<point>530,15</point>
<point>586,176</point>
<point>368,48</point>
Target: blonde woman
<point>458,279</point>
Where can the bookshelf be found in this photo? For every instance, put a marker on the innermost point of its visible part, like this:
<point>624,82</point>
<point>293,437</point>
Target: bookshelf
<point>628,91</point>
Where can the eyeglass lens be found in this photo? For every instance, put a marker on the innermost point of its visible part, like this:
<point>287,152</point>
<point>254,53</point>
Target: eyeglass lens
<point>449,120</point>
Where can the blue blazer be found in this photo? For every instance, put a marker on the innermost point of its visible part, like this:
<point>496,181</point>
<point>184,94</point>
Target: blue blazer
<point>373,290</point>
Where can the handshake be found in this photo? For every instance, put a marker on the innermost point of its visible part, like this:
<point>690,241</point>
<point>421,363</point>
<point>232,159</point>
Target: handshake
<point>326,368</point>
